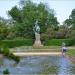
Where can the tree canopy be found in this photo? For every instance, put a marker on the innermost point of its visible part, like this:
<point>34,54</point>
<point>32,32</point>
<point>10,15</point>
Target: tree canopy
<point>71,20</point>
<point>26,16</point>
<point>3,29</point>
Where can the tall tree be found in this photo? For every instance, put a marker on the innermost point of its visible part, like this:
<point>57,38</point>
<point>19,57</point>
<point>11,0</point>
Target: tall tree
<point>26,16</point>
<point>71,20</point>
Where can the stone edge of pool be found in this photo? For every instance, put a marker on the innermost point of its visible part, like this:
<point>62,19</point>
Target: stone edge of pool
<point>36,53</point>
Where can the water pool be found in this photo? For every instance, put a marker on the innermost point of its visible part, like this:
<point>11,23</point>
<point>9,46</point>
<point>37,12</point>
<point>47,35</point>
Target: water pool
<point>39,65</point>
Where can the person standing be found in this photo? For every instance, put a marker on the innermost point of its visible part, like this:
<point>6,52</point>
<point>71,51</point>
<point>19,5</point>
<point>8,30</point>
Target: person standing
<point>64,48</point>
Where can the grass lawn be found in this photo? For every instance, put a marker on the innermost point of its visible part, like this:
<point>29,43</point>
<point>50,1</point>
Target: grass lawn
<point>71,52</point>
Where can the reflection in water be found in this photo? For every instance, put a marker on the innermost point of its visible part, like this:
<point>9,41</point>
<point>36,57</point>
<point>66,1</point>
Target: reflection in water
<point>64,68</point>
<point>40,65</point>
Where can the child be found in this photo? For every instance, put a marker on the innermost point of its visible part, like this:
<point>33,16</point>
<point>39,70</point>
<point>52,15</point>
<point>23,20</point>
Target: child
<point>64,48</point>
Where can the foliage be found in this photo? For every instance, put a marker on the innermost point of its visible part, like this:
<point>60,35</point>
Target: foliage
<point>58,42</point>
<point>3,30</point>
<point>68,22</point>
<point>26,16</point>
<point>19,42</point>
<point>63,32</point>
<point>44,37</point>
<point>5,51</point>
<point>71,24</point>
<point>6,71</point>
<point>50,32</point>
<point>71,20</point>
<point>73,35</point>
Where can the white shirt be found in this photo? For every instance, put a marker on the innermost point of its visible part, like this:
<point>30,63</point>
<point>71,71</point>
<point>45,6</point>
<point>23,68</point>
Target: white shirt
<point>64,48</point>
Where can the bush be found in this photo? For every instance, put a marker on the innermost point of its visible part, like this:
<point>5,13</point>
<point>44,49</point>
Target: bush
<point>6,51</point>
<point>6,71</point>
<point>58,42</point>
<point>15,43</point>
<point>44,37</point>
<point>73,35</point>
<point>10,55</point>
<point>15,58</point>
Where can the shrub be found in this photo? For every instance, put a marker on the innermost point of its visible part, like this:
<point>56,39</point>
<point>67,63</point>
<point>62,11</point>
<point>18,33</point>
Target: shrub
<point>10,55</point>
<point>58,42</point>
<point>44,37</point>
<point>5,51</point>
<point>15,58</point>
<point>15,43</point>
<point>73,35</point>
<point>6,71</point>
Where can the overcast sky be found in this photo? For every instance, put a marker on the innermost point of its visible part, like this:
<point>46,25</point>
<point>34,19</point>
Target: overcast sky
<point>62,8</point>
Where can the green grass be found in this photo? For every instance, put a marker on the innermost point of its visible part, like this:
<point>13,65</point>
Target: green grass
<point>71,52</point>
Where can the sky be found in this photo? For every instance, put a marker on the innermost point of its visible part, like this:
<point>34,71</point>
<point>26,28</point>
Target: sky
<point>63,8</point>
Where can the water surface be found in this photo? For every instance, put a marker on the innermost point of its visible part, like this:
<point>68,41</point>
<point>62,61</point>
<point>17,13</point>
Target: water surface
<point>39,65</point>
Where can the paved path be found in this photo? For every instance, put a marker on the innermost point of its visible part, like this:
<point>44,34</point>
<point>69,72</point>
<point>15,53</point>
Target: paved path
<point>36,53</point>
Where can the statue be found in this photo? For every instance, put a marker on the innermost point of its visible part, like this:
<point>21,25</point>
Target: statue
<point>36,30</point>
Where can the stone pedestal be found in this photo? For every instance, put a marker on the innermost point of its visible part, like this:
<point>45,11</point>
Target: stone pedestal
<point>1,56</point>
<point>37,42</point>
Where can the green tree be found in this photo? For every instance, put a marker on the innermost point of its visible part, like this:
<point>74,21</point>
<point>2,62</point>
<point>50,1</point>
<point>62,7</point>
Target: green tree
<point>63,32</point>
<point>3,30</point>
<point>71,24</point>
<point>27,14</point>
<point>71,20</point>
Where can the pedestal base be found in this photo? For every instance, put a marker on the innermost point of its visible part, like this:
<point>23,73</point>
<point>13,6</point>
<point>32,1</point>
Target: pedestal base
<point>37,42</point>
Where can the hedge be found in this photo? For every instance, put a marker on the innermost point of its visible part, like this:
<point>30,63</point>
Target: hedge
<point>58,42</point>
<point>29,42</point>
<point>16,43</point>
